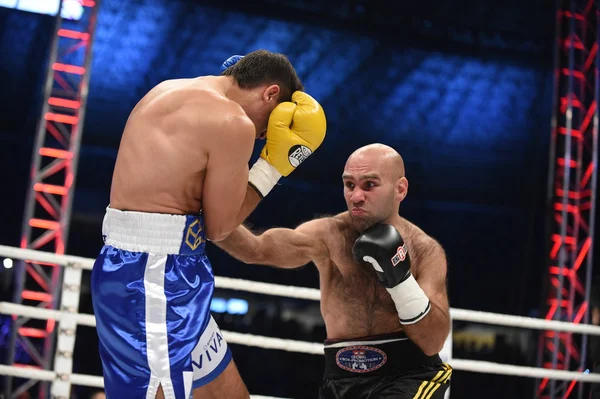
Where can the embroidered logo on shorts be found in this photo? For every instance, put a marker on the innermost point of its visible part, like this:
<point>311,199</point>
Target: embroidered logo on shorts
<point>298,154</point>
<point>400,255</point>
<point>193,238</point>
<point>360,359</point>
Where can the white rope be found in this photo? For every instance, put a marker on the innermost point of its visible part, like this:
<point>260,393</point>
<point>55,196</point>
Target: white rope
<point>314,295</point>
<point>45,314</point>
<point>273,343</point>
<point>521,321</point>
<point>478,366</point>
<point>77,379</point>
<point>47,257</point>
<point>289,291</point>
<point>232,337</point>
<point>475,366</point>
<point>48,375</point>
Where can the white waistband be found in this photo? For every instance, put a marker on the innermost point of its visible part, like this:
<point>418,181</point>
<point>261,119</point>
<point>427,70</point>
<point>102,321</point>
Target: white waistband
<point>155,233</point>
<point>362,343</point>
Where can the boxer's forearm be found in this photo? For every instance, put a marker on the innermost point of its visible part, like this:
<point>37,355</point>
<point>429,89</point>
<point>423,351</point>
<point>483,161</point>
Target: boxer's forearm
<point>242,244</point>
<point>251,201</point>
<point>279,247</point>
<point>220,228</point>
<point>431,332</point>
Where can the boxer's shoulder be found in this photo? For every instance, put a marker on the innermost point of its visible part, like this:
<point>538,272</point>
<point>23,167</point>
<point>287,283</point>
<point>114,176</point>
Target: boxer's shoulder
<point>322,227</point>
<point>201,99</point>
<point>420,244</point>
<point>226,122</point>
<point>342,225</point>
<point>193,97</point>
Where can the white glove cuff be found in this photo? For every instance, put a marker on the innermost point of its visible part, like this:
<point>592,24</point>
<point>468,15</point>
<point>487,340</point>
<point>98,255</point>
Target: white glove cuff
<point>411,301</point>
<point>263,176</point>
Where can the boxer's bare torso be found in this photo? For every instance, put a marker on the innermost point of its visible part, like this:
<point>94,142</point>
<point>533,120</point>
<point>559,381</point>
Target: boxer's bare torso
<point>166,145</point>
<point>353,302</point>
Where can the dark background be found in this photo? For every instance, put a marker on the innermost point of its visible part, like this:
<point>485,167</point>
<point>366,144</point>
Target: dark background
<point>462,89</point>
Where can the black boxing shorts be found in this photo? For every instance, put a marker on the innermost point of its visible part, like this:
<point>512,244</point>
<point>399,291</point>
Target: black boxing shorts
<point>383,366</point>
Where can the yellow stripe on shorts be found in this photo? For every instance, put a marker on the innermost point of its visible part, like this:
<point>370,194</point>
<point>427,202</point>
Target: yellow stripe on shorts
<point>428,388</point>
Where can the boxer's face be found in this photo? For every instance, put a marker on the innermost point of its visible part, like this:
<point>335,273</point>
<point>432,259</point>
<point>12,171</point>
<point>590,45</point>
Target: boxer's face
<point>369,190</point>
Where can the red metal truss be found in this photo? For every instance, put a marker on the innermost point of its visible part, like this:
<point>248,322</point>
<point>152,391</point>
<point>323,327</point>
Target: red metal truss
<point>572,191</point>
<point>50,191</point>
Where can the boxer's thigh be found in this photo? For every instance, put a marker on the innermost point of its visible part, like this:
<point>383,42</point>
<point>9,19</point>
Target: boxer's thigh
<point>432,383</point>
<point>409,389</point>
<point>118,298</point>
<point>363,387</point>
<point>429,383</point>
<point>188,289</point>
<point>227,385</point>
<point>215,373</point>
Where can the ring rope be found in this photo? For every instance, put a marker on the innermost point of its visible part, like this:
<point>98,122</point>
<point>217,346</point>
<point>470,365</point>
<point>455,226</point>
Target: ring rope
<point>476,366</point>
<point>49,375</point>
<point>284,344</point>
<point>230,336</point>
<point>479,366</point>
<point>314,294</point>
<point>76,379</point>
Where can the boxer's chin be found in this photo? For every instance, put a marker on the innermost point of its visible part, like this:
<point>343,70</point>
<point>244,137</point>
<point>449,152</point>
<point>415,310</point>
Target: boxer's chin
<point>361,223</point>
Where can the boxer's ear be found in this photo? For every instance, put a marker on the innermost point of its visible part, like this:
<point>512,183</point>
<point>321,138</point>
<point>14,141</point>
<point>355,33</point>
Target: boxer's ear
<point>401,189</point>
<point>271,93</point>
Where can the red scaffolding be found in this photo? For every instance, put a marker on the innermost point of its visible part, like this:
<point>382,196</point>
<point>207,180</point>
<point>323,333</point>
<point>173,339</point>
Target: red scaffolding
<point>50,191</point>
<point>572,188</point>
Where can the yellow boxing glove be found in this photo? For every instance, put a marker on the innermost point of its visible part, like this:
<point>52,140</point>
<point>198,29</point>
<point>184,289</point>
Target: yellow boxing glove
<point>295,130</point>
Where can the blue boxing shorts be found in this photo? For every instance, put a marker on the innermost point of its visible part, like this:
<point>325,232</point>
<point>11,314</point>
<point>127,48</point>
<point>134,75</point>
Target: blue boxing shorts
<point>152,286</point>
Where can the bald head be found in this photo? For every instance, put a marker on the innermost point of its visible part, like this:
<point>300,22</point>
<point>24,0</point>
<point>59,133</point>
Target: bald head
<point>390,160</point>
<point>374,185</point>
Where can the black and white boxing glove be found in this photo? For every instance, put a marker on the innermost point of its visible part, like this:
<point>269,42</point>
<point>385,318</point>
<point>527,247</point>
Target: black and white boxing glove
<point>382,247</point>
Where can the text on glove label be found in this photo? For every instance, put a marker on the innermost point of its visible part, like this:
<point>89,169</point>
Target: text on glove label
<point>298,154</point>
<point>400,255</point>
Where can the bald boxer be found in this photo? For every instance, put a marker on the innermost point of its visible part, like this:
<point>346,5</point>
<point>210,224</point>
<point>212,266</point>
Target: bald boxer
<point>182,178</point>
<point>383,284</point>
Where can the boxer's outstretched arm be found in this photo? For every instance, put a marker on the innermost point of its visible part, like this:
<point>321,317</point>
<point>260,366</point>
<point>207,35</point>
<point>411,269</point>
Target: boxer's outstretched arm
<point>431,332</point>
<point>226,197</point>
<point>279,247</point>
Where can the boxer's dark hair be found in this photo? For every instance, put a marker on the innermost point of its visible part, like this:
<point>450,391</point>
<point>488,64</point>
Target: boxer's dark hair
<point>264,67</point>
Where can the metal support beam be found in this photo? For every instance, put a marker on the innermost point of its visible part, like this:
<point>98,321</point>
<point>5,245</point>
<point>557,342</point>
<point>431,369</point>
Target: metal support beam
<point>571,191</point>
<point>50,191</point>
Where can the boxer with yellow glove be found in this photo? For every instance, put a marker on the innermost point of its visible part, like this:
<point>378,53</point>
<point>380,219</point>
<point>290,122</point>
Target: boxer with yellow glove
<point>295,130</point>
<point>181,179</point>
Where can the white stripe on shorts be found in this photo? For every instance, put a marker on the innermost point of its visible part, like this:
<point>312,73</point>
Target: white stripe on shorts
<point>157,341</point>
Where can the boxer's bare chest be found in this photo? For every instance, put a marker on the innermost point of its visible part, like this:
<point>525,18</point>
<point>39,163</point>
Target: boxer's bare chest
<point>354,297</point>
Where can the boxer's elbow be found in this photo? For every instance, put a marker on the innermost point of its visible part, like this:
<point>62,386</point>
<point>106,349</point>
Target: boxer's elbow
<point>431,348</point>
<point>429,337</point>
<point>429,344</point>
<point>216,234</point>
<point>432,352</point>
<point>219,226</point>
<point>216,237</point>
